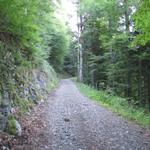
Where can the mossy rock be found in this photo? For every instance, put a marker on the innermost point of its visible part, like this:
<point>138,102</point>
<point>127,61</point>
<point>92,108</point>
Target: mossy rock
<point>11,125</point>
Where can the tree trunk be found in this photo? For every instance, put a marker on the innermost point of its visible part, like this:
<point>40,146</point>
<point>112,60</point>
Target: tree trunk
<point>80,54</point>
<point>129,72</point>
<point>111,79</point>
<point>146,86</point>
<point>140,81</point>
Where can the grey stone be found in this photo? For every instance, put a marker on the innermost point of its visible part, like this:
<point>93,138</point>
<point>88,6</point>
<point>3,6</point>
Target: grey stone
<point>5,94</point>
<point>5,148</point>
<point>3,122</point>
<point>42,83</point>
<point>22,95</point>
<point>5,109</point>
<point>26,91</point>
<point>18,128</point>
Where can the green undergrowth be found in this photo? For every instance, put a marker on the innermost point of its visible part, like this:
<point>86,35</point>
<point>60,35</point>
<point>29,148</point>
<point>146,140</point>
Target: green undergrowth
<point>117,105</point>
<point>52,78</point>
<point>24,105</point>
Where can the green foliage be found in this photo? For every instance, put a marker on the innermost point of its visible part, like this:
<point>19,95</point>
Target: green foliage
<point>70,63</point>
<point>33,27</point>
<point>59,43</point>
<point>19,21</point>
<point>117,104</point>
<point>11,125</point>
<point>110,60</point>
<point>142,23</point>
<point>32,40</point>
<point>23,104</point>
<point>52,78</point>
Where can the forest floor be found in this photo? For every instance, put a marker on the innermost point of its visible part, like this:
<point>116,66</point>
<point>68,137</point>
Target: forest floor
<point>70,121</point>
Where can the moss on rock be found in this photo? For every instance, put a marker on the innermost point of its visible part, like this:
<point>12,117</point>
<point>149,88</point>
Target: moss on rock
<point>11,125</point>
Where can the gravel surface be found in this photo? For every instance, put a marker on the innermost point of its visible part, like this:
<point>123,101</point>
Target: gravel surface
<point>73,122</point>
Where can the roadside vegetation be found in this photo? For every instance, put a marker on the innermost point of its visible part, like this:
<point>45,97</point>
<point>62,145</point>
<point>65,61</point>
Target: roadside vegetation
<point>33,45</point>
<point>114,47</point>
<point>117,104</point>
<point>113,55</point>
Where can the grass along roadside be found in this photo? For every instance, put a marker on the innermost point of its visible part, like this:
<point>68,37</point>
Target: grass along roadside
<point>117,105</point>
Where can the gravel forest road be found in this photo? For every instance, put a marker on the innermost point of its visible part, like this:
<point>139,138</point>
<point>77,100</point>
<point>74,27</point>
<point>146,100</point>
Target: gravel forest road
<point>73,122</point>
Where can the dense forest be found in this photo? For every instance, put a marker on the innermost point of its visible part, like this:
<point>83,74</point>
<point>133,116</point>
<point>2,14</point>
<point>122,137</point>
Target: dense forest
<point>110,51</point>
<point>113,52</point>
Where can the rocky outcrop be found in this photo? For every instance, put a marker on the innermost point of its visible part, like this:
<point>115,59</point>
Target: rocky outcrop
<point>21,95</point>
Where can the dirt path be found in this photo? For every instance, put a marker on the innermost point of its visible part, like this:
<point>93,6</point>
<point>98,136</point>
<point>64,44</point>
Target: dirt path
<point>70,121</point>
